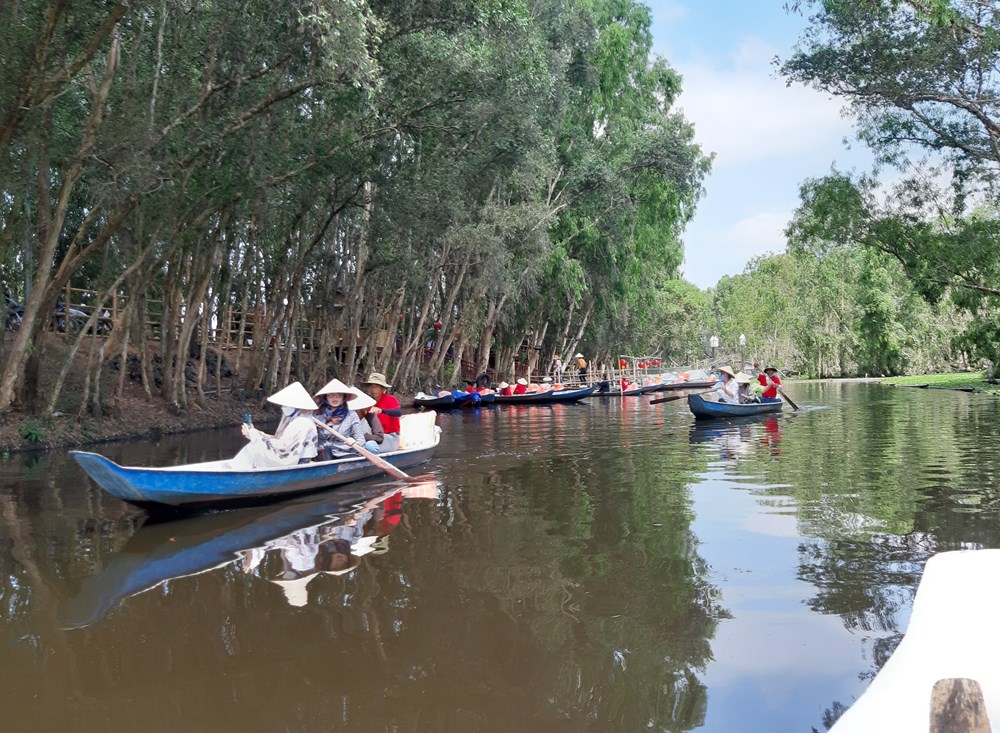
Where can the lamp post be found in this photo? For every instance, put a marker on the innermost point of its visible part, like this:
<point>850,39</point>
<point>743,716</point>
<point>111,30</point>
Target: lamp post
<point>743,343</point>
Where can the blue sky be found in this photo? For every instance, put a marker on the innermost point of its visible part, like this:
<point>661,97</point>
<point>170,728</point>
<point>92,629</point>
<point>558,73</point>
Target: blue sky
<point>767,137</point>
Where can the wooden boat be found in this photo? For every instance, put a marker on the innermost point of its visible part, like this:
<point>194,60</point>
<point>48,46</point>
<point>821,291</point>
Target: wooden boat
<point>445,402</point>
<point>216,483</point>
<point>703,408</point>
<point>952,633</point>
<point>545,398</point>
<point>670,386</point>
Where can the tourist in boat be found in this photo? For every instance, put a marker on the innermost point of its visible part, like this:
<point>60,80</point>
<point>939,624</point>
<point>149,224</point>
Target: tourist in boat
<point>522,386</point>
<point>336,412</point>
<point>387,408</point>
<point>726,390</point>
<point>744,390</point>
<point>504,389</point>
<point>581,365</point>
<point>293,442</point>
<point>770,381</point>
<point>374,434</point>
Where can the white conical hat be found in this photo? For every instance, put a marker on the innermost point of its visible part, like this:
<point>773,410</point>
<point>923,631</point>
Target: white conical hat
<point>727,370</point>
<point>336,387</point>
<point>360,400</point>
<point>743,378</point>
<point>295,590</point>
<point>294,395</point>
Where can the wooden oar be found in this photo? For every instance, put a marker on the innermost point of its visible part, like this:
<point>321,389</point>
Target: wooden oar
<point>782,393</point>
<point>671,398</point>
<point>374,459</point>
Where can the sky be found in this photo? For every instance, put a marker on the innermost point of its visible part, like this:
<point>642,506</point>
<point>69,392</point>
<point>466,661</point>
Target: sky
<point>768,138</point>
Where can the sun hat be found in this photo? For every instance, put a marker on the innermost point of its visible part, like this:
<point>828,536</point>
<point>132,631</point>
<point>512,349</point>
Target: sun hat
<point>336,387</point>
<point>294,395</point>
<point>727,370</point>
<point>360,400</point>
<point>376,378</point>
<point>770,369</point>
<point>742,378</point>
<point>547,379</point>
<point>522,381</point>
<point>578,356</point>
<point>502,385</point>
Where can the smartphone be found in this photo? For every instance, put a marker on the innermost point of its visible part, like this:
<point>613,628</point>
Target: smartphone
<point>247,419</point>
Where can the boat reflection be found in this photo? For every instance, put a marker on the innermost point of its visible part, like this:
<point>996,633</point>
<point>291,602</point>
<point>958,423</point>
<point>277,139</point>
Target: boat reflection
<point>288,544</point>
<point>736,439</point>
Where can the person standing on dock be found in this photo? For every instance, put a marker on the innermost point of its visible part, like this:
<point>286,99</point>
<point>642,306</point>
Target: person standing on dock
<point>387,408</point>
<point>557,369</point>
<point>581,365</point>
<point>770,381</point>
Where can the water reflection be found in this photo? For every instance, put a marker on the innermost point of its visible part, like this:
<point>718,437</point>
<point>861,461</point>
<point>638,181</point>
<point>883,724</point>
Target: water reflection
<point>288,544</point>
<point>738,438</point>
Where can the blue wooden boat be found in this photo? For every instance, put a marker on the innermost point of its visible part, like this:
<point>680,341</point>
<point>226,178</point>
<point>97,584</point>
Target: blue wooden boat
<point>445,402</point>
<point>216,483</point>
<point>488,398</point>
<point>546,398</point>
<point>705,409</point>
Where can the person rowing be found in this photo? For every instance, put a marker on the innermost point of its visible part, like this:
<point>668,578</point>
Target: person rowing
<point>771,382</point>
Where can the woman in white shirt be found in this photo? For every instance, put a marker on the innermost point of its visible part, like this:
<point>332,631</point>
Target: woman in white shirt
<point>727,387</point>
<point>293,442</point>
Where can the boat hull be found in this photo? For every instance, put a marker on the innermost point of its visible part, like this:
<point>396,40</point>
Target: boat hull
<point>545,398</point>
<point>706,410</point>
<point>203,484</point>
<point>435,403</point>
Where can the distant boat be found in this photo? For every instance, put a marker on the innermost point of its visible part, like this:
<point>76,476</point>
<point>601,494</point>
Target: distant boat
<point>550,396</point>
<point>430,402</point>
<point>952,634</point>
<point>703,408</point>
<point>215,483</point>
<point>669,386</point>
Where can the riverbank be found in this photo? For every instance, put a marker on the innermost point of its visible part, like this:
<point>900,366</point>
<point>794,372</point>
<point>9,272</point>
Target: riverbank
<point>961,381</point>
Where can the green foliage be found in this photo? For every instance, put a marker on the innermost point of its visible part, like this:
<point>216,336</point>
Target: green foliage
<point>33,431</point>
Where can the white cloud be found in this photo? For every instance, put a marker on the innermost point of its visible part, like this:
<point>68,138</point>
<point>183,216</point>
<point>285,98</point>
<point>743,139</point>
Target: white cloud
<point>744,114</point>
<point>758,234</point>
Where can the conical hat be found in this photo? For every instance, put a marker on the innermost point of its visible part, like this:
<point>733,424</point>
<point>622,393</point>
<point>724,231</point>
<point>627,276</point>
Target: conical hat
<point>727,370</point>
<point>359,400</point>
<point>335,387</point>
<point>295,590</point>
<point>742,378</point>
<point>294,395</point>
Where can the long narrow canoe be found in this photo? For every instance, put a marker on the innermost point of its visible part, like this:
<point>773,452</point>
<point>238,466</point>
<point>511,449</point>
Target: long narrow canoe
<point>704,409</point>
<point>669,386</point>
<point>952,633</point>
<point>434,403</point>
<point>544,398</point>
<point>216,483</point>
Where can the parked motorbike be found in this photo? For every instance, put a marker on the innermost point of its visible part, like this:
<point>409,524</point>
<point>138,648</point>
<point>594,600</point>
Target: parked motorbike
<point>13,312</point>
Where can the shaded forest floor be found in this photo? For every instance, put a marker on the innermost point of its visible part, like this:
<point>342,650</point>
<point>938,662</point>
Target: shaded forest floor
<point>133,415</point>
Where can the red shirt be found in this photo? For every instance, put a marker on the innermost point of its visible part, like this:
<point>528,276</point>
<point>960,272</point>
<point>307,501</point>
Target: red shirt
<point>506,391</point>
<point>771,391</point>
<point>520,389</point>
<point>388,402</point>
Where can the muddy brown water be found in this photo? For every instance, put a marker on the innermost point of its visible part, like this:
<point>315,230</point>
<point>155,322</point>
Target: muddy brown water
<point>606,566</point>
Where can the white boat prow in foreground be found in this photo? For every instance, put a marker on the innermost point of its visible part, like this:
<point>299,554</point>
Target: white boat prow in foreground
<point>953,632</point>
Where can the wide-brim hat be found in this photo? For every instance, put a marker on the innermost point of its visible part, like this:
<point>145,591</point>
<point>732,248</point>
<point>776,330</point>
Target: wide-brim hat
<point>727,370</point>
<point>743,378</point>
<point>522,381</point>
<point>337,387</point>
<point>770,369</point>
<point>547,379</point>
<point>376,378</point>
<point>294,395</point>
<point>295,590</point>
<point>502,385</point>
<point>360,400</point>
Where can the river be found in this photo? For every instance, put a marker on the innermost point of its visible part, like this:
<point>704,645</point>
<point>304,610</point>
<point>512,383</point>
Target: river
<point>605,566</point>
